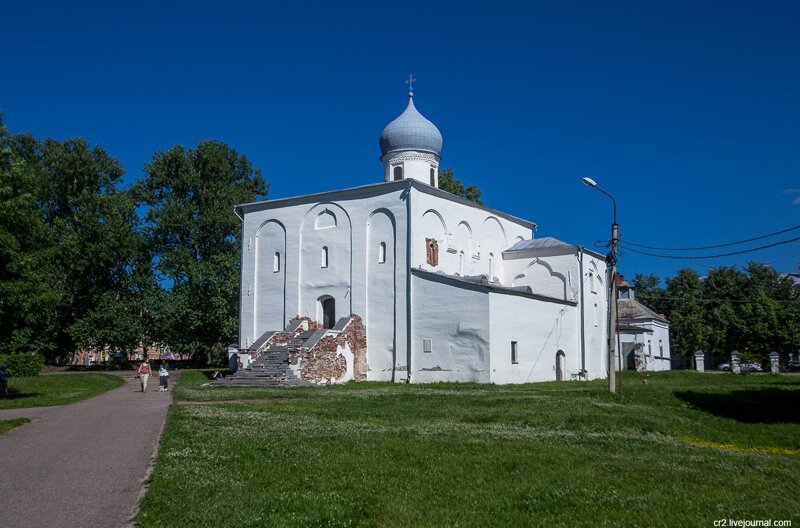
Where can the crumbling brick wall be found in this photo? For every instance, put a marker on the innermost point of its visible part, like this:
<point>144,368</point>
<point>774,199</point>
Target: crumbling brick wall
<point>325,363</point>
<point>432,251</point>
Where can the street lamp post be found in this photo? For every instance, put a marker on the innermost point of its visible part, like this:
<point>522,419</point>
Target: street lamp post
<point>612,259</point>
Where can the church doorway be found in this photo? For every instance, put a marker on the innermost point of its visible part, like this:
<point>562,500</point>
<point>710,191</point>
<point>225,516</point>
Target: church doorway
<point>327,311</point>
<point>560,365</point>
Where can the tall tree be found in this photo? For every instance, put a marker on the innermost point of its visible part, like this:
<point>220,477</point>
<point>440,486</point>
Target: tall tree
<point>451,184</point>
<point>195,238</point>
<point>27,275</point>
<point>687,317</point>
<point>649,292</point>
<point>99,254</point>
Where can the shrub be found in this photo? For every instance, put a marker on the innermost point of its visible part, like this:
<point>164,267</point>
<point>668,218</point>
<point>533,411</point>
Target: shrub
<point>22,364</point>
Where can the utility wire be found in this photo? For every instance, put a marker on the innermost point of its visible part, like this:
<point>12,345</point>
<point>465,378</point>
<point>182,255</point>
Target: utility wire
<point>716,246</point>
<point>623,244</point>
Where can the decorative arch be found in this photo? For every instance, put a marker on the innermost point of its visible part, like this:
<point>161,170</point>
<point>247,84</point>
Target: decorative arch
<point>269,284</point>
<point>325,224</point>
<point>543,280</point>
<point>463,237</point>
<point>381,295</point>
<point>429,215</point>
<point>325,220</point>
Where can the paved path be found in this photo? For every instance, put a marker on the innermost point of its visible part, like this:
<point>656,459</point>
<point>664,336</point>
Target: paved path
<point>83,464</point>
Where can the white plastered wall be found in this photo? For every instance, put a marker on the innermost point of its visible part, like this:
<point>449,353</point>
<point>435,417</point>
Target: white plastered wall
<point>350,223</point>
<point>540,329</point>
<point>464,233</point>
<point>454,318</point>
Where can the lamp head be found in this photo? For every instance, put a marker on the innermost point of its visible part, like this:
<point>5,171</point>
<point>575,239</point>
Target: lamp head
<point>590,182</point>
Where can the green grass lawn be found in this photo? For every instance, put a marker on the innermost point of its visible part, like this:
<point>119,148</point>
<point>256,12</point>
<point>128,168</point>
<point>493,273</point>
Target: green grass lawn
<point>684,450</point>
<point>57,389</point>
<point>7,425</point>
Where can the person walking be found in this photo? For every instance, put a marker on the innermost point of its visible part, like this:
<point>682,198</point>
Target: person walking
<point>163,377</point>
<point>144,374</point>
<point>4,381</point>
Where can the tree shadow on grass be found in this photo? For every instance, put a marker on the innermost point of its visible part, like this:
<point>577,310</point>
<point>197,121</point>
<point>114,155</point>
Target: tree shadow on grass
<point>16,394</point>
<point>748,406</point>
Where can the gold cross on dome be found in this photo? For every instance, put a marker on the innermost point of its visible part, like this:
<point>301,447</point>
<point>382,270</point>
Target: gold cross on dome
<point>410,82</point>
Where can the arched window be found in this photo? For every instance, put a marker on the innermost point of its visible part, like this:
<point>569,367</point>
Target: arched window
<point>433,177</point>
<point>382,253</point>
<point>324,260</point>
<point>398,173</point>
<point>276,263</point>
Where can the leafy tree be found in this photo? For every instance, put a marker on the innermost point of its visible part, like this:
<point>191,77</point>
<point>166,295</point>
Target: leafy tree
<point>100,256</point>
<point>687,315</point>
<point>27,275</point>
<point>451,184</point>
<point>194,236</point>
<point>649,292</point>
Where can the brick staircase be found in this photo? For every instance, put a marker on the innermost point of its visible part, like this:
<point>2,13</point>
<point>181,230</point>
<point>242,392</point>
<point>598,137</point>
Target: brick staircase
<point>270,368</point>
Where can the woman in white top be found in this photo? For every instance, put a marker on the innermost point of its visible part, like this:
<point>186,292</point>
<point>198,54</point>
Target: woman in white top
<point>163,377</point>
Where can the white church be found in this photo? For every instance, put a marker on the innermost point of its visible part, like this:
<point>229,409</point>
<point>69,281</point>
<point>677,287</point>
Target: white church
<point>401,281</point>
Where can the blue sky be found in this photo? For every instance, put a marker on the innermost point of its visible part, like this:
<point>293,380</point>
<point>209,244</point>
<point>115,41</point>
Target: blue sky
<point>688,113</point>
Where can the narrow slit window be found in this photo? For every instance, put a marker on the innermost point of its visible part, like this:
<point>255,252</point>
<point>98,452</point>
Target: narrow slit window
<point>661,348</point>
<point>433,178</point>
<point>491,267</point>
<point>514,353</point>
<point>324,260</point>
<point>276,263</point>
<point>461,263</point>
<point>398,173</point>
<point>382,253</point>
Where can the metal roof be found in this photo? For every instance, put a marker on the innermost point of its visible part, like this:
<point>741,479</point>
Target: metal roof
<point>411,131</point>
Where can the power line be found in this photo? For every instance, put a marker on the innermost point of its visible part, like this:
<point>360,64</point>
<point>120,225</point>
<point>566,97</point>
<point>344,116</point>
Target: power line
<point>718,245</point>
<point>710,256</point>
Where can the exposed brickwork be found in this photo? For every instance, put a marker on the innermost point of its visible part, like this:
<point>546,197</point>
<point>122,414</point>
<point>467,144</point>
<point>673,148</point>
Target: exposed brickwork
<point>356,336</point>
<point>312,324</point>
<point>324,363</point>
<point>432,251</point>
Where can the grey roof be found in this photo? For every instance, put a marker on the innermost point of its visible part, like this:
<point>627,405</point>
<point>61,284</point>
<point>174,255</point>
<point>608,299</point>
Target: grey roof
<point>483,280</point>
<point>411,131</point>
<point>376,188</point>
<point>632,309</point>
<point>539,243</point>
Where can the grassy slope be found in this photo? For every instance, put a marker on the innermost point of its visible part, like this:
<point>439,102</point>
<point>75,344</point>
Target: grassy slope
<point>57,389</point>
<point>550,454</point>
<point>7,425</point>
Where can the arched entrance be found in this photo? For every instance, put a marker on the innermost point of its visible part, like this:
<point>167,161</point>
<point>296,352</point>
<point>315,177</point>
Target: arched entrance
<point>560,356</point>
<point>326,313</point>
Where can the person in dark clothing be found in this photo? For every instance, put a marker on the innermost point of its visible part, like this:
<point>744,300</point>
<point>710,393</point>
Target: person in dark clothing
<point>4,375</point>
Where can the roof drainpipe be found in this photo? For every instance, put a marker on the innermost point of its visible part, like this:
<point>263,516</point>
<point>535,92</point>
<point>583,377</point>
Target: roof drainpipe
<point>583,312</point>
<point>408,281</point>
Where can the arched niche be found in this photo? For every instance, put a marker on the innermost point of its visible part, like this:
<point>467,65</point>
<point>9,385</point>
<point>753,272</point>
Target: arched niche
<point>381,294</point>
<point>325,219</point>
<point>463,238</point>
<point>269,295</point>
<point>541,278</point>
<point>430,238</point>
<point>325,225</point>
<point>493,241</point>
